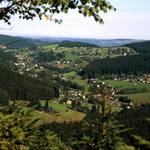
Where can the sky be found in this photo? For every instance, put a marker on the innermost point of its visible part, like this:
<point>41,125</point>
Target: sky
<point>130,21</point>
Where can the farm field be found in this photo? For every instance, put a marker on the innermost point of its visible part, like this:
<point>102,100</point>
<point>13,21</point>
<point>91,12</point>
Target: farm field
<point>64,114</point>
<point>60,117</point>
<point>50,46</point>
<point>125,85</point>
<point>139,98</point>
<point>83,83</point>
<point>137,92</point>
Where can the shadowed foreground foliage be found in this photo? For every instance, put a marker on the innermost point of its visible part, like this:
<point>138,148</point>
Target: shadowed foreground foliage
<point>18,130</point>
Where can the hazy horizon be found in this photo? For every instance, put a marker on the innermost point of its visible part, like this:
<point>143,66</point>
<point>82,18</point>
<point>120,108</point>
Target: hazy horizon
<point>63,37</point>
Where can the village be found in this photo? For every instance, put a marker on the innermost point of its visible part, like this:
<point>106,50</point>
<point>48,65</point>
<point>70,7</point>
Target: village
<point>66,69</point>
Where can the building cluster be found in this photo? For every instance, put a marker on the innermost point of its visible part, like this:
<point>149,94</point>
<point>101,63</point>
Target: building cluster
<point>67,97</point>
<point>25,64</point>
<point>124,51</point>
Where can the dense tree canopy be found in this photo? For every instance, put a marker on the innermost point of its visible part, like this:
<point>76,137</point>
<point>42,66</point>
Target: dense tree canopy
<point>28,9</point>
<point>119,65</point>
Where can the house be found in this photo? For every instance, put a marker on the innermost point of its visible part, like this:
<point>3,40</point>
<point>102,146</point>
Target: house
<point>69,102</point>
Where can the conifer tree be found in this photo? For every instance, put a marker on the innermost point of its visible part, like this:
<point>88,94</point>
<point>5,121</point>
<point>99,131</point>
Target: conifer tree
<point>19,130</point>
<point>4,99</point>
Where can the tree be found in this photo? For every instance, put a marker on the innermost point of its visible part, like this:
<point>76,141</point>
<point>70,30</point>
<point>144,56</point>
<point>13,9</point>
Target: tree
<point>20,130</point>
<point>46,107</point>
<point>99,129</point>
<point>4,99</point>
<point>35,103</point>
<point>105,96</point>
<point>29,9</point>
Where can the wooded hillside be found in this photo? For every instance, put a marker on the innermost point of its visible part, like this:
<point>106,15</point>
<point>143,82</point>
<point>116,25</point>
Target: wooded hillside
<point>134,64</point>
<point>140,47</point>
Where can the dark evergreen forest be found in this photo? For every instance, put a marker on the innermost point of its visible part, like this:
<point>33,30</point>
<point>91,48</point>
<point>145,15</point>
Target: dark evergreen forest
<point>134,64</point>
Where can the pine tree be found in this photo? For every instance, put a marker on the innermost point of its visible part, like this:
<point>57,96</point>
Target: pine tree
<point>19,130</point>
<point>46,107</point>
<point>4,99</point>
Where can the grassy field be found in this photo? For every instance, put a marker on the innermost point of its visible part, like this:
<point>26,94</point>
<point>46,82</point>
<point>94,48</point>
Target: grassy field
<point>139,97</point>
<point>56,106</point>
<point>70,56</point>
<point>104,52</point>
<point>142,94</point>
<point>50,46</point>
<point>64,114</point>
<point>80,82</point>
<point>71,74</point>
<point>122,85</point>
<point>59,117</point>
<point>83,83</point>
<point>66,50</point>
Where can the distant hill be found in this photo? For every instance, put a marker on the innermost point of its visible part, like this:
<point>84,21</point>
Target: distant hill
<point>98,42</point>
<point>140,47</point>
<point>75,44</point>
<point>17,42</point>
<point>29,41</point>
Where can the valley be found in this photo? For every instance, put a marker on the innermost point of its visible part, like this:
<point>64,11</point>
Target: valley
<point>64,64</point>
<point>74,75</point>
<point>70,82</point>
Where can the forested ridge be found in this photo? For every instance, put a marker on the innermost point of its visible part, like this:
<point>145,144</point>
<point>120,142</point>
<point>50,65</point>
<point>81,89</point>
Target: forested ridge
<point>7,59</point>
<point>17,42</point>
<point>134,64</point>
<point>21,87</point>
<point>140,47</point>
<point>75,44</point>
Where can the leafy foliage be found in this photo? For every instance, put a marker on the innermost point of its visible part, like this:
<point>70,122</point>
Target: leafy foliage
<point>18,130</point>
<point>136,120</point>
<point>48,56</point>
<point>28,9</point>
<point>123,146</point>
<point>140,142</point>
<point>92,138</point>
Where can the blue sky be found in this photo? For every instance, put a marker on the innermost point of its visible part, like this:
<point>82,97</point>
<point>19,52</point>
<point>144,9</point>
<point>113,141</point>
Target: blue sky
<point>132,6</point>
<point>131,20</point>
